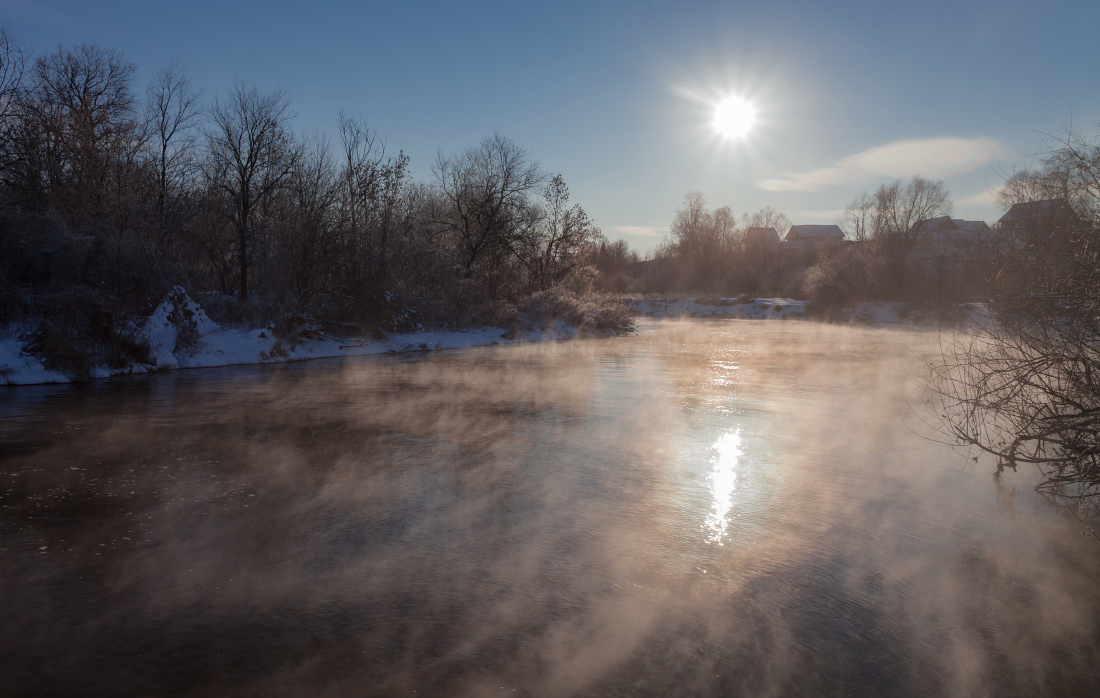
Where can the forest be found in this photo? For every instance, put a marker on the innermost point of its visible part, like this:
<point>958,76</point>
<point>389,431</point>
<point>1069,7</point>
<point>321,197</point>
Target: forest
<point>111,195</point>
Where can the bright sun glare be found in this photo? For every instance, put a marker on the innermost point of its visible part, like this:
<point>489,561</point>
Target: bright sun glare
<point>734,117</point>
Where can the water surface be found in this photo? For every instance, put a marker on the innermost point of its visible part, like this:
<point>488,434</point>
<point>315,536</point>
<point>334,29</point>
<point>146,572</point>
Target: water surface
<point>712,509</point>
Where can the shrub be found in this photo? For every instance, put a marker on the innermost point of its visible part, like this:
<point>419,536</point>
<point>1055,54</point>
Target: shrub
<point>80,328</point>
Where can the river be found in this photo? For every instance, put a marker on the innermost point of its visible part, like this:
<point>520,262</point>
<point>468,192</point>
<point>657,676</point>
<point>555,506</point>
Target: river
<point>703,509</point>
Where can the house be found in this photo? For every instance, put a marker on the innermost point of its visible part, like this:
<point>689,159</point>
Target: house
<point>761,238</point>
<point>1039,222</point>
<point>945,229</point>
<point>946,247</point>
<point>805,238</point>
<point>1027,212</point>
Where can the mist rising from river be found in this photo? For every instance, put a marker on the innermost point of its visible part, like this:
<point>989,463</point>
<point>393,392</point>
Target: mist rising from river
<point>734,508</point>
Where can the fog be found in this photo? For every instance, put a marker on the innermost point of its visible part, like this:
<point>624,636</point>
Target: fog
<point>726,508</point>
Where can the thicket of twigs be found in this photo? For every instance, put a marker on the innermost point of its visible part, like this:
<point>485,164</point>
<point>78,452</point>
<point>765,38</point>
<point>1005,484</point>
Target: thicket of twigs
<point>1024,383</point>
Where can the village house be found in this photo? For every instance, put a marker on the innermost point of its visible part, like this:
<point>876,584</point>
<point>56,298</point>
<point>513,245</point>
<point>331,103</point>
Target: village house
<point>948,230</point>
<point>806,238</point>
<point>946,246</point>
<point>1045,222</point>
<point>1028,212</point>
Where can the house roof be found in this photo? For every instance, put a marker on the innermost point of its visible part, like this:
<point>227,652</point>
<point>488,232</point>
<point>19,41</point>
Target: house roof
<point>976,226</point>
<point>1029,210</point>
<point>950,227</point>
<point>929,225</point>
<point>815,232</point>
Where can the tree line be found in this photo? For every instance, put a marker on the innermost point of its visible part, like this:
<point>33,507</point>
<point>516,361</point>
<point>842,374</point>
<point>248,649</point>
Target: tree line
<point>110,196</point>
<point>712,251</point>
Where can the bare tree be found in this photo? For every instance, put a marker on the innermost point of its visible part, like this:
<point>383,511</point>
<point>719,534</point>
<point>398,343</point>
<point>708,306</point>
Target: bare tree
<point>83,111</point>
<point>484,192</point>
<point>172,110</point>
<point>860,219</point>
<point>308,260</point>
<point>705,243</point>
<point>899,208</point>
<point>13,70</point>
<point>564,240</point>
<point>363,157</point>
<point>726,231</point>
<point>767,217</point>
<point>250,154</point>
<point>372,185</point>
<point>890,216</point>
<point>692,225</point>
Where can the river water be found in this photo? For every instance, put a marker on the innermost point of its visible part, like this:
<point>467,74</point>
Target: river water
<point>705,508</point>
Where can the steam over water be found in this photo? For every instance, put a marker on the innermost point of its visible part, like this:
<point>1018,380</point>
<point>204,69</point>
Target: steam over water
<point>712,509</point>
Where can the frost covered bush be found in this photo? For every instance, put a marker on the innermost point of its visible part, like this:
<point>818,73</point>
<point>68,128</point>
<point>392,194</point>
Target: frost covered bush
<point>183,317</point>
<point>590,314</point>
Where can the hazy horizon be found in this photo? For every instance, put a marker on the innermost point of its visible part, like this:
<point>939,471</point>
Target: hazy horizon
<point>619,99</point>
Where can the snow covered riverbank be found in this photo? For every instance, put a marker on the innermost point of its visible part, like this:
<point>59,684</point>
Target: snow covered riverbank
<point>874,313</point>
<point>227,346</point>
<point>181,335</point>
<point>758,308</point>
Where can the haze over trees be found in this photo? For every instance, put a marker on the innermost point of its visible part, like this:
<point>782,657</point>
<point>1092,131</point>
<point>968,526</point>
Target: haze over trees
<point>884,225</point>
<point>705,252</point>
<point>712,251</point>
<point>111,194</point>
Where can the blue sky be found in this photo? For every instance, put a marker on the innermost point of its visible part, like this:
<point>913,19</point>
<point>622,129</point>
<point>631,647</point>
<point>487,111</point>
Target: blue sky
<point>617,96</point>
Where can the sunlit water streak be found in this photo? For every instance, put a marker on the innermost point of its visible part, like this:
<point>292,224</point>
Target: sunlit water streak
<point>724,482</point>
<point>707,508</point>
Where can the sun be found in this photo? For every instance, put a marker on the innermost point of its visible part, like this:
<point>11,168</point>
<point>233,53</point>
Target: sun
<point>734,117</point>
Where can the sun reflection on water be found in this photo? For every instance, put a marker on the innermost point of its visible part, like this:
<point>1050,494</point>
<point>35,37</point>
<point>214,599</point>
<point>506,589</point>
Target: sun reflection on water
<point>723,484</point>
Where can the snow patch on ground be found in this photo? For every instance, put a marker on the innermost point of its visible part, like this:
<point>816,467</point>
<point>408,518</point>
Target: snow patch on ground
<point>17,368</point>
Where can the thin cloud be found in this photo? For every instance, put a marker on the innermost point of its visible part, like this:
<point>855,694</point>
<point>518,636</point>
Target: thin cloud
<point>986,197</point>
<point>640,231</point>
<point>928,157</point>
<point>825,216</point>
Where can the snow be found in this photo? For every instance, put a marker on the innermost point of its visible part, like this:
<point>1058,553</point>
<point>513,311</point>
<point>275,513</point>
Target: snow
<point>211,344</point>
<point>17,368</point>
<point>758,308</point>
<point>163,326</point>
<point>207,344</point>
<point>872,313</point>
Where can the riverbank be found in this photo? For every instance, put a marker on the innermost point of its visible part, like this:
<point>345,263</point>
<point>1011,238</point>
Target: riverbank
<point>181,335</point>
<point>878,312</point>
<point>753,308</point>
